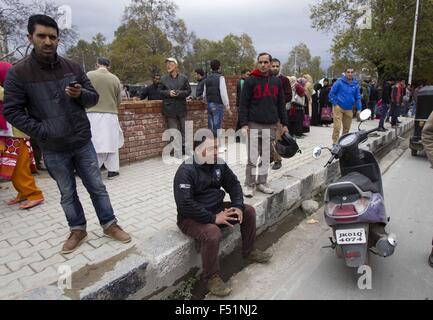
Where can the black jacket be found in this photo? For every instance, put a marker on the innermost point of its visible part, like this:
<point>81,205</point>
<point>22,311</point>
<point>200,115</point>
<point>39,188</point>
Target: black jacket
<point>151,92</point>
<point>36,102</point>
<point>198,194</point>
<point>262,100</point>
<point>200,89</point>
<point>374,94</point>
<point>175,106</point>
<point>213,92</point>
<point>324,97</point>
<point>386,93</point>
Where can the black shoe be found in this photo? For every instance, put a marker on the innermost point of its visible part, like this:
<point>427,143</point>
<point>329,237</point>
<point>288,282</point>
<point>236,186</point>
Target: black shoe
<point>430,260</point>
<point>112,175</point>
<point>382,130</point>
<point>277,165</point>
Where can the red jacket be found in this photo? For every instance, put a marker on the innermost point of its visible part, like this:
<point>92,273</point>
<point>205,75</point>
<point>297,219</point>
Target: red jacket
<point>287,87</point>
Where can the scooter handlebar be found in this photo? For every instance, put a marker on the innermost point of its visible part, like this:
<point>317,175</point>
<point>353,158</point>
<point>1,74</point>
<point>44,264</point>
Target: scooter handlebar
<point>330,160</point>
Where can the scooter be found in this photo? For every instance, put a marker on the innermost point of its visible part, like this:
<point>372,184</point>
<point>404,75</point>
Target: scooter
<point>354,205</point>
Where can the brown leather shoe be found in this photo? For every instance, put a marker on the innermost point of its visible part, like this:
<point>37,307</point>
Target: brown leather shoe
<point>117,233</point>
<point>218,287</point>
<point>76,238</point>
<point>258,256</point>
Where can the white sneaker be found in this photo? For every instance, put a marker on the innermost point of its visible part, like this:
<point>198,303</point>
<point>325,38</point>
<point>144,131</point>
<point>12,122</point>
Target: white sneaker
<point>265,189</point>
<point>249,191</point>
<point>222,150</point>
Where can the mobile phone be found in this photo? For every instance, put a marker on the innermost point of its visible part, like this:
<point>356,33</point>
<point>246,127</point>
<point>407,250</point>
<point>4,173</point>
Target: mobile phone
<point>72,84</point>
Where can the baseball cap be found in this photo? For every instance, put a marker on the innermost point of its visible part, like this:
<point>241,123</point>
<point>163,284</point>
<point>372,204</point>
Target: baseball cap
<point>103,61</point>
<point>171,60</point>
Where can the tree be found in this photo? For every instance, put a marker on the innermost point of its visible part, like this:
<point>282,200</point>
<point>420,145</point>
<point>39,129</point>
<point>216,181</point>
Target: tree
<point>161,15</point>
<point>150,32</point>
<point>234,52</point>
<point>13,27</point>
<point>387,45</point>
<point>86,53</point>
<point>300,62</point>
<point>137,54</point>
<point>13,15</point>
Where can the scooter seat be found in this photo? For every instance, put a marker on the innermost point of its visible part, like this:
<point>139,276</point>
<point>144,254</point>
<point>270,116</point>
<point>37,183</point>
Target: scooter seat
<point>363,182</point>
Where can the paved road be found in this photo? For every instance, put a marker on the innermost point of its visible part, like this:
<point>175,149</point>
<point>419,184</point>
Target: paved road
<point>302,269</point>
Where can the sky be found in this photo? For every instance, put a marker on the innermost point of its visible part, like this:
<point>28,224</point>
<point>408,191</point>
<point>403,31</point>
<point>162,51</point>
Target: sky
<point>275,26</point>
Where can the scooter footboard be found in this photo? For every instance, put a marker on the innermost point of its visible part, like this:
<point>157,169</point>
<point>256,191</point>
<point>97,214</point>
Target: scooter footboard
<point>353,241</point>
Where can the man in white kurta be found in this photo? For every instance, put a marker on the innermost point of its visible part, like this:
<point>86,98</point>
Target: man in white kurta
<point>107,135</point>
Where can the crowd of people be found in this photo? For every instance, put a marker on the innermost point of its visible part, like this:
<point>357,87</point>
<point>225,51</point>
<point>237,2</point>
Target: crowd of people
<point>73,118</point>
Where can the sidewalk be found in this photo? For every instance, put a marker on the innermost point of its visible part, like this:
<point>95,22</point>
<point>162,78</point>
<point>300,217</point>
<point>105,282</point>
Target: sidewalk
<point>30,241</point>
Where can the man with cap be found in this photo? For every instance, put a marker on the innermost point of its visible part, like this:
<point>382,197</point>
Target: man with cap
<point>107,136</point>
<point>175,89</point>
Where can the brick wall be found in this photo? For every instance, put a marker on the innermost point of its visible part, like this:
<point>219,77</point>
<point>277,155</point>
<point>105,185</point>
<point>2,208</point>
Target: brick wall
<point>143,124</point>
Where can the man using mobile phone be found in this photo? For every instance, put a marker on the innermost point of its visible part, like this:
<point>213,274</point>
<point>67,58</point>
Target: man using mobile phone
<point>48,106</point>
<point>202,211</point>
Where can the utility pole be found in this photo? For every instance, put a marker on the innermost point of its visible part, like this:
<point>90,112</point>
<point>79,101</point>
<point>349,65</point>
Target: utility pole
<point>412,58</point>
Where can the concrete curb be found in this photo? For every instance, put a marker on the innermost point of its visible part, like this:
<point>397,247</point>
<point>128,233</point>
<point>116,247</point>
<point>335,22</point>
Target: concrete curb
<point>154,268</point>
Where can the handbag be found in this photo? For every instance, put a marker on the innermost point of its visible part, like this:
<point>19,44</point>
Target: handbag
<point>326,114</point>
<point>306,123</point>
<point>299,100</point>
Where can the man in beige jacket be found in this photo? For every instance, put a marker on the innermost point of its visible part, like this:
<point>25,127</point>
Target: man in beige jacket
<point>427,141</point>
<point>107,136</point>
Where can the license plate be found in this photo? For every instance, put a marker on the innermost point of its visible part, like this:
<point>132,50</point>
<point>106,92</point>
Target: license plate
<point>351,236</point>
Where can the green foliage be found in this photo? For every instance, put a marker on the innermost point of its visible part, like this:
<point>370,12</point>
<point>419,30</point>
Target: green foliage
<point>138,51</point>
<point>234,52</point>
<point>86,53</point>
<point>300,62</point>
<point>386,47</point>
<point>185,290</point>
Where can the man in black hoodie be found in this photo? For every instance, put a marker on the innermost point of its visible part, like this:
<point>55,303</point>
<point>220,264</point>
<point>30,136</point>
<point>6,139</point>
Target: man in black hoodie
<point>202,210</point>
<point>262,106</point>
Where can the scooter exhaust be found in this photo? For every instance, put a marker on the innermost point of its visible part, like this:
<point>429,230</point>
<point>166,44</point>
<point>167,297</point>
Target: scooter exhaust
<point>385,246</point>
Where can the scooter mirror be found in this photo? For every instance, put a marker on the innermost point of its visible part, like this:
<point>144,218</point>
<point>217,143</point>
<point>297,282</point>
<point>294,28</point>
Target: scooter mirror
<point>365,115</point>
<point>317,152</point>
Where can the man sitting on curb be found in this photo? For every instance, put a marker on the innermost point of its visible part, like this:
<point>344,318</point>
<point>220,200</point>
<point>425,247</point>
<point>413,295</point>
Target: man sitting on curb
<point>202,212</point>
<point>427,141</point>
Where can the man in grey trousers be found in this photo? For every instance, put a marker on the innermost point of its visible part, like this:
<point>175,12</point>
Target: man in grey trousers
<point>175,89</point>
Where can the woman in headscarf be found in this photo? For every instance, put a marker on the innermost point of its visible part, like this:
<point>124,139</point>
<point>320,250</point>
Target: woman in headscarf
<point>309,90</point>
<point>16,157</point>
<point>296,112</point>
<point>324,101</point>
<point>315,108</point>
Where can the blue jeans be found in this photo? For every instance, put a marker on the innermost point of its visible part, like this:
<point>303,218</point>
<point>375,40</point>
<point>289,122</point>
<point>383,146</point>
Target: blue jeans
<point>215,115</point>
<point>385,108</point>
<point>61,166</point>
